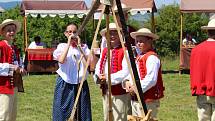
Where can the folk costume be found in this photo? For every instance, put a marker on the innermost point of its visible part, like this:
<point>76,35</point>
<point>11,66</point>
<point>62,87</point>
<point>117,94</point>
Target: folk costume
<point>119,72</point>
<point>67,83</point>
<point>202,76</point>
<point>149,69</point>
<point>151,82</point>
<point>8,86</point>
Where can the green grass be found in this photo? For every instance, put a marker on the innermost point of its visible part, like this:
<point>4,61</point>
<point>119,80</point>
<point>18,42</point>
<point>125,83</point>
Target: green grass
<point>177,105</point>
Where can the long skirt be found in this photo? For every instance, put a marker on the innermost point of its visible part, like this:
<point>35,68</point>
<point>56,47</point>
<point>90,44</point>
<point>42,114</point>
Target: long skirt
<point>64,98</point>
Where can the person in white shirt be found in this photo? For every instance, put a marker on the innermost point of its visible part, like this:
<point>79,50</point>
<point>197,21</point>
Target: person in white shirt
<point>37,43</point>
<point>149,69</point>
<point>119,71</point>
<point>188,40</point>
<point>70,73</point>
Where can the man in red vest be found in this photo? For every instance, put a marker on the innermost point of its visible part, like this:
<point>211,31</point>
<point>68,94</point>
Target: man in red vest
<point>119,71</point>
<point>8,65</point>
<point>149,68</point>
<point>202,75</point>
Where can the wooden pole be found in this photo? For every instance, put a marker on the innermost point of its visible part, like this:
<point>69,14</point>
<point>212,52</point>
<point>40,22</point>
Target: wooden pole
<point>94,7</point>
<point>127,59</point>
<point>181,33</point>
<point>131,56</point>
<point>25,33</point>
<point>85,69</point>
<point>153,21</point>
<point>181,37</point>
<point>110,113</point>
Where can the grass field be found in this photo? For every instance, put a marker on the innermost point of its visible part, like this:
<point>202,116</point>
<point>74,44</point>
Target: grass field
<point>177,105</point>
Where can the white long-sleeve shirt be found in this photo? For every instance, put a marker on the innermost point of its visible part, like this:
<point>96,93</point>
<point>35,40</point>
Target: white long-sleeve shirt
<point>5,68</point>
<point>152,67</point>
<point>116,78</point>
<point>69,69</point>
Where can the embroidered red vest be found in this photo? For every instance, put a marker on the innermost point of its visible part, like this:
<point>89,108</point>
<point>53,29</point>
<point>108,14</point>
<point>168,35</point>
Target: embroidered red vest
<point>116,65</point>
<point>6,56</point>
<point>156,92</point>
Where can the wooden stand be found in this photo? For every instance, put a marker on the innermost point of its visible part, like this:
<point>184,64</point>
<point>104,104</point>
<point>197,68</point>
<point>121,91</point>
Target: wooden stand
<point>108,5</point>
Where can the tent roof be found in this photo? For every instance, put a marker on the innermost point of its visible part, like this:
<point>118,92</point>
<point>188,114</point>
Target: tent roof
<point>1,9</point>
<point>139,6</point>
<point>188,6</point>
<point>54,7</point>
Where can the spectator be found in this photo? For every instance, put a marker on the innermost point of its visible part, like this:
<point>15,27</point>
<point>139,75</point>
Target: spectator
<point>36,44</point>
<point>189,40</point>
<point>202,75</point>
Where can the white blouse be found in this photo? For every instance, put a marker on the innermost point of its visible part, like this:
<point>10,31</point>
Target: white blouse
<point>69,69</point>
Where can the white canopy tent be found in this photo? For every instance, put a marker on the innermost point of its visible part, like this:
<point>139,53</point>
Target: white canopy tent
<point>51,8</point>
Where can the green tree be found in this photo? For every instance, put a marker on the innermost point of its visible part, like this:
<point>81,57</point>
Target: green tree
<point>168,28</point>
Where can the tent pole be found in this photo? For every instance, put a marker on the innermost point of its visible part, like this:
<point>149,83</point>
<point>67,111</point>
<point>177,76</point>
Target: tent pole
<point>181,37</point>
<point>25,33</point>
<point>110,112</point>
<point>181,33</point>
<point>153,21</point>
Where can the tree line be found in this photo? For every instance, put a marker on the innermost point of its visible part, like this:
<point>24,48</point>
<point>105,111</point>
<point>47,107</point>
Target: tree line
<point>167,24</point>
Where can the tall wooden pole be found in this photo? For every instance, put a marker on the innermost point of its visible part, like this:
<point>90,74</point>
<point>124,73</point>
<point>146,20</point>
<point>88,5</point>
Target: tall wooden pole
<point>153,21</point>
<point>131,56</point>
<point>110,113</point>
<point>25,33</point>
<point>181,37</point>
<point>181,31</point>
<point>86,67</point>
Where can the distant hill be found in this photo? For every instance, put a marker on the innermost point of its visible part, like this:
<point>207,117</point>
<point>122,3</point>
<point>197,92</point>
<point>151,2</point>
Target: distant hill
<point>9,5</point>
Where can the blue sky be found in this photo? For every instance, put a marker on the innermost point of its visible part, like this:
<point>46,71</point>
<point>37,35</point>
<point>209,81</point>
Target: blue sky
<point>9,0</point>
<point>158,3</point>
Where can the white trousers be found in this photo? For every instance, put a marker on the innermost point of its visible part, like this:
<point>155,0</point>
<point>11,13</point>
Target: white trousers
<point>206,108</point>
<point>154,106</point>
<point>8,106</point>
<point>120,105</point>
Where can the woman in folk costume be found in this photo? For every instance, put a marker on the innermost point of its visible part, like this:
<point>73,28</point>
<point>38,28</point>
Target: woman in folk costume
<point>8,66</point>
<point>149,68</point>
<point>119,71</point>
<point>70,73</point>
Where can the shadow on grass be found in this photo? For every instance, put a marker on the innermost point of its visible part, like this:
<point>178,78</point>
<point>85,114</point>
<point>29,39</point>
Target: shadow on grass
<point>41,73</point>
<point>186,71</point>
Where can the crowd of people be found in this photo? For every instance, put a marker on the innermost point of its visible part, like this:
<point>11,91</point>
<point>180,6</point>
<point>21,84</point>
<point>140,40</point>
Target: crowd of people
<point>72,62</point>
